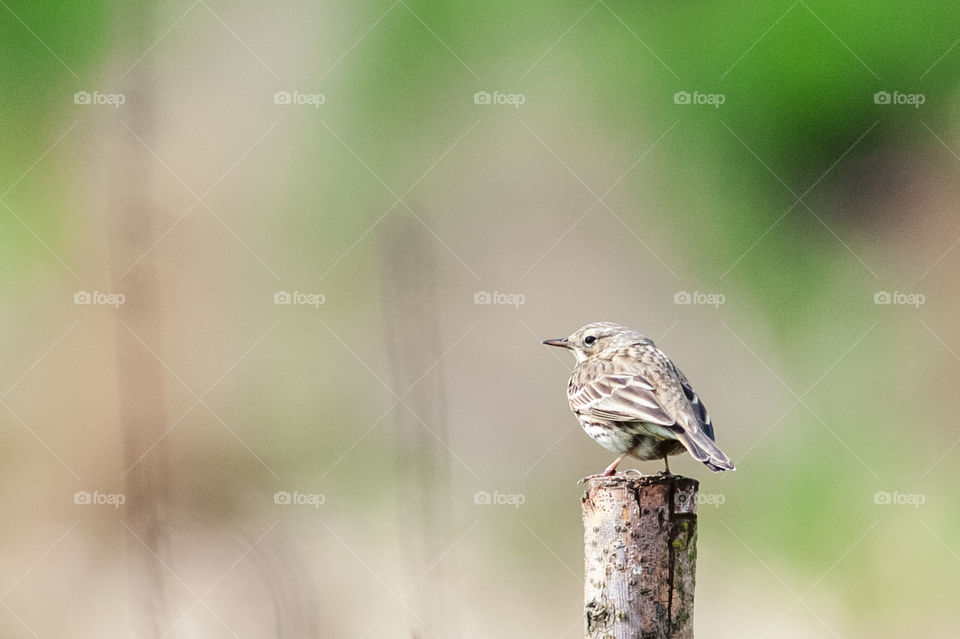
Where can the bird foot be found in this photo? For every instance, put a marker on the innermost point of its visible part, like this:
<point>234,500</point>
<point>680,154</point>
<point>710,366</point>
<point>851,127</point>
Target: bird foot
<point>609,473</point>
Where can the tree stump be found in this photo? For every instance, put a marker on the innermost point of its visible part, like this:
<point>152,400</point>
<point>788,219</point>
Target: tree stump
<point>640,554</point>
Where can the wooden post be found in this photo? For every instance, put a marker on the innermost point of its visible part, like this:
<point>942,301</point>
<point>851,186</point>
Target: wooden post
<point>640,556</point>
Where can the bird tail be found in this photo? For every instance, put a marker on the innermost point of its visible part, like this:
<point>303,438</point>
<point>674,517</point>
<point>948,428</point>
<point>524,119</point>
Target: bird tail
<point>703,449</point>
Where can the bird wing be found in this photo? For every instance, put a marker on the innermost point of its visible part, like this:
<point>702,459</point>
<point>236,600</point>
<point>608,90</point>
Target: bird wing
<point>617,396</point>
<point>620,392</point>
<point>698,408</point>
<point>696,430</point>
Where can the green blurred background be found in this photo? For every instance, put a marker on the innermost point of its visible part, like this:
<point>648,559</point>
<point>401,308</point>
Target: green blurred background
<point>394,400</point>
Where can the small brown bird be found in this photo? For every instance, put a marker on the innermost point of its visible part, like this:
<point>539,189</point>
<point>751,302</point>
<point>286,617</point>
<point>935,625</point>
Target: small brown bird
<point>632,400</point>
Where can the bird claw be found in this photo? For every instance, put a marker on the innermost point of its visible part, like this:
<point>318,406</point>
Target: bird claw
<point>598,476</point>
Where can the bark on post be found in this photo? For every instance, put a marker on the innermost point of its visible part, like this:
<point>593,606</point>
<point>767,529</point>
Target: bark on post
<point>640,555</point>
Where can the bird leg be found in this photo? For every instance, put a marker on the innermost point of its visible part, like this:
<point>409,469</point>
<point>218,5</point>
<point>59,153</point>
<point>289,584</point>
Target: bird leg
<point>612,468</point>
<point>667,465</point>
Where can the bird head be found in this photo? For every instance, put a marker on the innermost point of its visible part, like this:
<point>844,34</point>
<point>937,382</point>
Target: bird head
<point>598,337</point>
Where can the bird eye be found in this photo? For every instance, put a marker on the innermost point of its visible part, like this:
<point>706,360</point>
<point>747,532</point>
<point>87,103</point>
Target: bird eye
<point>589,339</point>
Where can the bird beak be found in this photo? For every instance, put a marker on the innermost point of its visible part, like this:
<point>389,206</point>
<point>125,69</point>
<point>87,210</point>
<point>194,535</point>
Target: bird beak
<point>562,342</point>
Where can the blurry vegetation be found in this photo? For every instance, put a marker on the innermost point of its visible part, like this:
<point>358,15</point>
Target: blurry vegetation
<point>796,95</point>
<point>34,86</point>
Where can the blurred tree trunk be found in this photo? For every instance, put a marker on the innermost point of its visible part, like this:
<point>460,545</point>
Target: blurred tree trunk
<point>142,414</point>
<point>414,344</point>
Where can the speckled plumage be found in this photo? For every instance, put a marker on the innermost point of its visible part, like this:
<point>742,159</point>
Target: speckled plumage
<point>632,400</point>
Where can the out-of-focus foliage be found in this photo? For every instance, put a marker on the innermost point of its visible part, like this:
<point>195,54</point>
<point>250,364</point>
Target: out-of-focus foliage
<point>34,84</point>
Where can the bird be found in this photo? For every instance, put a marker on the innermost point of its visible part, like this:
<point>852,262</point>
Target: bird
<point>633,400</point>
